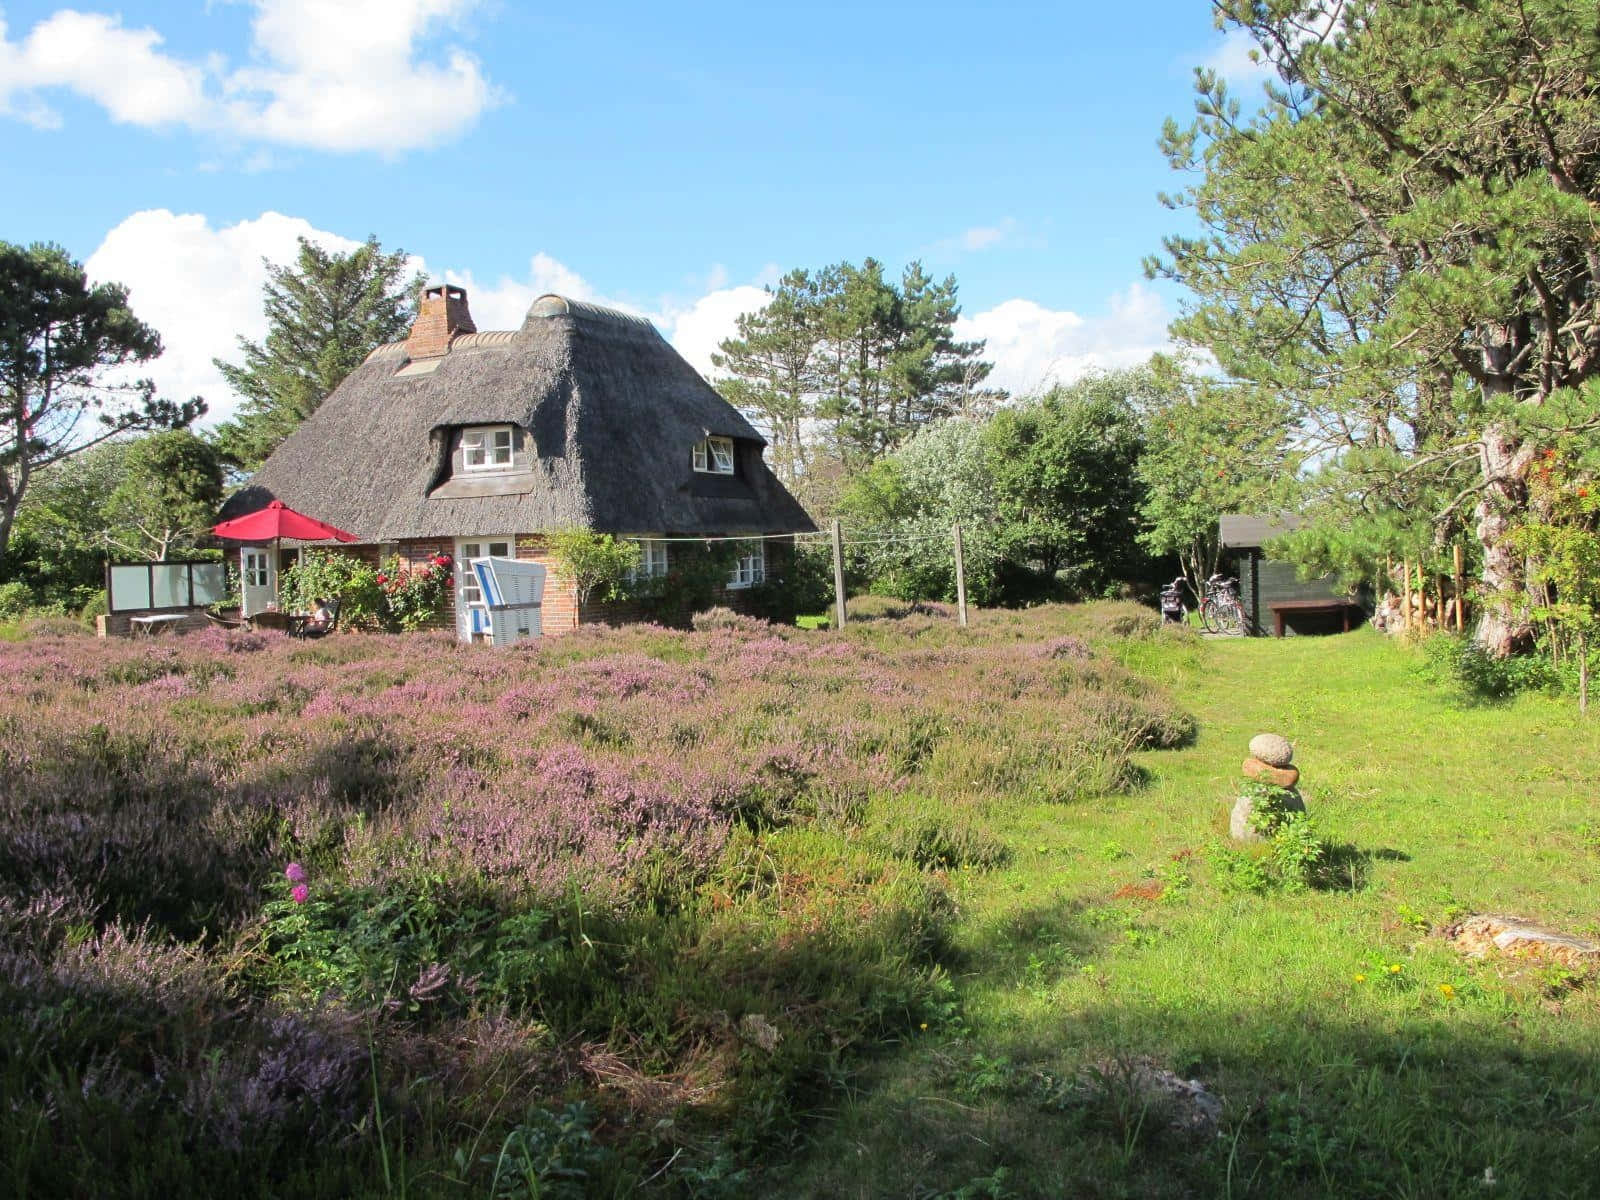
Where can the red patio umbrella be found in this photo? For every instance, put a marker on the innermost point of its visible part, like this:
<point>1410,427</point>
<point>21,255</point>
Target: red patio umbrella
<point>278,520</point>
<point>275,522</point>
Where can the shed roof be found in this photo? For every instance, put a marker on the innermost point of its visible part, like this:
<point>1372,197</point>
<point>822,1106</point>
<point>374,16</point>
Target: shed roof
<point>1240,530</point>
<point>612,409</point>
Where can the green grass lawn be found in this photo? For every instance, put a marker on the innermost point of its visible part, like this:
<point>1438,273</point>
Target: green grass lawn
<point>1356,1053</point>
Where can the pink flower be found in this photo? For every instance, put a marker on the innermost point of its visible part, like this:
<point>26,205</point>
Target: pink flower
<point>300,893</point>
<point>294,873</point>
<point>382,578</point>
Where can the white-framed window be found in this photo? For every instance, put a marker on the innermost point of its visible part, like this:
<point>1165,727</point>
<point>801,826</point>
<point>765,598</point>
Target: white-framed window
<point>486,449</point>
<point>751,565</point>
<point>652,560</point>
<point>714,455</point>
<point>255,568</point>
<point>467,590</point>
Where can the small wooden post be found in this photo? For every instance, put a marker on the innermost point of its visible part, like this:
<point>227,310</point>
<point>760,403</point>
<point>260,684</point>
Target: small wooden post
<point>961,580</point>
<point>838,576</point>
<point>1438,602</point>
<point>1460,591</point>
<point>1405,592</point>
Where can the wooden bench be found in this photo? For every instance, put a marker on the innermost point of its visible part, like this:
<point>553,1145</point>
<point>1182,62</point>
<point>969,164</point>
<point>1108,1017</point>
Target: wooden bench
<point>1280,608</point>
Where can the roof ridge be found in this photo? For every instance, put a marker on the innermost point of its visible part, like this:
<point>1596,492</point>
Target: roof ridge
<point>552,304</point>
<point>387,350</point>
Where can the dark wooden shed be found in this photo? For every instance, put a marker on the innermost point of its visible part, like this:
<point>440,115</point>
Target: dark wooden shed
<point>1275,598</point>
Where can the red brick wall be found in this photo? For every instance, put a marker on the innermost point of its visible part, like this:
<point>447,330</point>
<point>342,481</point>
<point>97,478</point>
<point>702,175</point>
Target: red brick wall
<point>120,624</point>
<point>421,552</point>
<point>560,612</point>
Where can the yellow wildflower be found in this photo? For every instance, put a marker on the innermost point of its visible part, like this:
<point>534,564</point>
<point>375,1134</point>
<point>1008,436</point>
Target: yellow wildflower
<point>924,1027</point>
<point>1394,968</point>
<point>1361,978</point>
<point>1447,990</point>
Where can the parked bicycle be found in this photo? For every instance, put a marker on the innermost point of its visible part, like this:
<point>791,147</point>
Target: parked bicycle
<point>1220,610</point>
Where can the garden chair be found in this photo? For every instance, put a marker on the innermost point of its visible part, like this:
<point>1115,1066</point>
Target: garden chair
<point>317,631</point>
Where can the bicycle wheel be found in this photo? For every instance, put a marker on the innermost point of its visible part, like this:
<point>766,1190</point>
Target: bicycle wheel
<point>1208,614</point>
<point>1229,616</point>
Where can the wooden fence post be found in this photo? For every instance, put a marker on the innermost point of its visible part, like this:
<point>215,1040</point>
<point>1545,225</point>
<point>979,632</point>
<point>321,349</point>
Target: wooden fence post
<point>1461,598</point>
<point>838,576</point>
<point>1405,592</point>
<point>961,580</point>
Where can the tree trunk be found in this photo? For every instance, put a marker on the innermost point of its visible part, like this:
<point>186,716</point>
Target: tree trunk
<point>1583,673</point>
<point>8,516</point>
<point>1503,459</point>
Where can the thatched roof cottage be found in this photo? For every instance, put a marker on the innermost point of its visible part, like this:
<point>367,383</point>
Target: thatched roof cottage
<point>477,444</point>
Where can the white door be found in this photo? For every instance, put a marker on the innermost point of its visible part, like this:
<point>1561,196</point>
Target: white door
<point>467,594</point>
<point>258,579</point>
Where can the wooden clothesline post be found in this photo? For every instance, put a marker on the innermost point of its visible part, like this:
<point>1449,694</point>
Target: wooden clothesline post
<point>1460,592</point>
<point>961,580</point>
<point>838,576</point>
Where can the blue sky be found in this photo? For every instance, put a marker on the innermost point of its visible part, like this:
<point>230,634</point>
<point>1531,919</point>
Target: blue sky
<point>666,158</point>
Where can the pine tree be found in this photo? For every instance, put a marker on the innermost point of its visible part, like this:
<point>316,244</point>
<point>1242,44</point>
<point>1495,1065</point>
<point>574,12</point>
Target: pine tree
<point>775,367</point>
<point>843,364</point>
<point>325,314</point>
<point>58,338</point>
<point>1400,242</point>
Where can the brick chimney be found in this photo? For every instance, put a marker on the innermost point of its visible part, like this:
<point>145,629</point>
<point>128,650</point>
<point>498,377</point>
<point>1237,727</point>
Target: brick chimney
<point>443,315</point>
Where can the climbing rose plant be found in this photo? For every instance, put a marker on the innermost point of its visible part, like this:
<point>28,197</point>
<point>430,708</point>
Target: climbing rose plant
<point>415,596</point>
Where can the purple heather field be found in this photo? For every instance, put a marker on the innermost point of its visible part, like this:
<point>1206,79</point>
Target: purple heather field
<point>586,855</point>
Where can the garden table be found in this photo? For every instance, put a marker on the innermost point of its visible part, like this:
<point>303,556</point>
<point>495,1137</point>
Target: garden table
<point>149,625</point>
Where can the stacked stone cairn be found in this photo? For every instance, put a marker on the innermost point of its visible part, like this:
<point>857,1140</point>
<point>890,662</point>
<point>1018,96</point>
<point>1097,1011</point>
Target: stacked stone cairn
<point>1271,762</point>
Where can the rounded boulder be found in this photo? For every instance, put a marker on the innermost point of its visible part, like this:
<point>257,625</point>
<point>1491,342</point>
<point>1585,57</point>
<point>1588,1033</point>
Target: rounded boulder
<point>1243,829</point>
<point>1273,749</point>
<point>1284,777</point>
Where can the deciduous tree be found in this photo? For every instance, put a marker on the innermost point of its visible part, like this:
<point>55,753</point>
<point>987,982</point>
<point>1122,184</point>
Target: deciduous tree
<point>1209,450</point>
<point>167,497</point>
<point>1066,481</point>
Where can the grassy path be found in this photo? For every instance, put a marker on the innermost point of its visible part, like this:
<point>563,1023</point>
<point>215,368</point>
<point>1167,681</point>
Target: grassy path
<point>1356,1053</point>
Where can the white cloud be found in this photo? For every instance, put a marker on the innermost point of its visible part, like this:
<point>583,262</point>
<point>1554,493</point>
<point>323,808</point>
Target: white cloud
<point>352,75</point>
<point>984,236</point>
<point>699,329</point>
<point>1033,347</point>
<point>346,76</point>
<point>1236,59</point>
<point>1004,232</point>
<point>122,70</point>
<point>200,288</point>
<point>504,304</point>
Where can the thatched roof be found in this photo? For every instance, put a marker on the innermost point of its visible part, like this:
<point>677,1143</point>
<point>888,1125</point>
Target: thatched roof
<point>610,412</point>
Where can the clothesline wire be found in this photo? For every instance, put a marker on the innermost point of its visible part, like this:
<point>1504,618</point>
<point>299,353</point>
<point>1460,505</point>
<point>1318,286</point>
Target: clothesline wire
<point>811,539</point>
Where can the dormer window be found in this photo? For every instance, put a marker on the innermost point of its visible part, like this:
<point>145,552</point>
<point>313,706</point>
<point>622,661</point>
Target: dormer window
<point>486,449</point>
<point>714,456</point>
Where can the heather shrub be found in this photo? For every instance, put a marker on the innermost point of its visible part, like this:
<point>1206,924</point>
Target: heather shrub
<point>1122,619</point>
<point>645,866</point>
<point>52,625</point>
<point>720,617</point>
